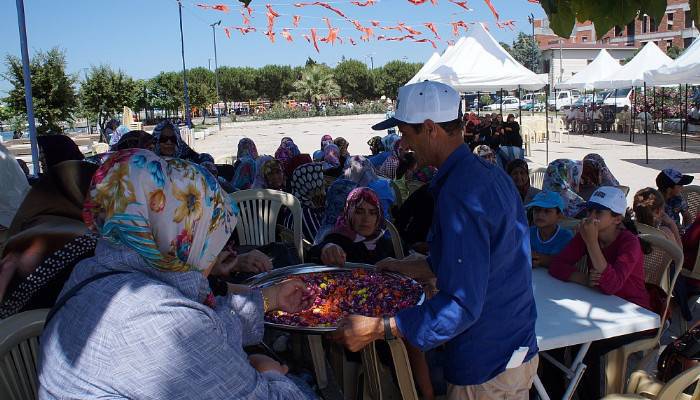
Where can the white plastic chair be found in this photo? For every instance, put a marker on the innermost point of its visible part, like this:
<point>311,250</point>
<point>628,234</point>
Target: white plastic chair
<point>395,240</point>
<point>19,350</point>
<point>257,220</point>
<point>537,177</point>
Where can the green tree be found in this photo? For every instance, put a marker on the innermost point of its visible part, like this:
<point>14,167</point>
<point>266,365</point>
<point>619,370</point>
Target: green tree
<point>237,84</point>
<point>526,51</point>
<point>53,90</point>
<point>167,92</point>
<point>274,81</point>
<point>674,51</point>
<point>201,85</point>
<point>393,75</point>
<point>355,80</point>
<point>316,85</point>
<point>142,97</point>
<point>105,92</point>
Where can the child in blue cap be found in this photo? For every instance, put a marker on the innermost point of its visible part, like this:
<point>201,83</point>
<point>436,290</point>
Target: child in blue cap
<point>547,238</point>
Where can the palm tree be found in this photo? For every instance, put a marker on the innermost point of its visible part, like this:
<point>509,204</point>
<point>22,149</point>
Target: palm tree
<point>316,84</point>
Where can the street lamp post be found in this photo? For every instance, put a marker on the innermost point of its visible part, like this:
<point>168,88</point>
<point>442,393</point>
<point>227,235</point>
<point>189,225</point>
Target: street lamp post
<point>216,71</point>
<point>188,117</point>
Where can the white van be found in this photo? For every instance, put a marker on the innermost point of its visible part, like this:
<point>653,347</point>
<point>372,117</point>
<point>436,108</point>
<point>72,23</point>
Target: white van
<point>620,98</point>
<point>564,99</point>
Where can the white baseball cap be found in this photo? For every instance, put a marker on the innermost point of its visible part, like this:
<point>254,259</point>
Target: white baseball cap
<point>608,198</point>
<point>424,100</point>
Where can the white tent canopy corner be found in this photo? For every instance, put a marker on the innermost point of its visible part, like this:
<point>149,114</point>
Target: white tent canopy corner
<point>685,69</point>
<point>599,69</point>
<point>478,63</point>
<point>425,69</point>
<point>649,58</point>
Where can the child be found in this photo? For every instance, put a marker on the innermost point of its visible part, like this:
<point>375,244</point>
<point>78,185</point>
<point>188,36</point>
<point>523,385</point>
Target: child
<point>670,183</point>
<point>547,238</point>
<point>649,209</point>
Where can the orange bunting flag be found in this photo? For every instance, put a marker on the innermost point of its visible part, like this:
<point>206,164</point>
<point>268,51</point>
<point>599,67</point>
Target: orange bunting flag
<point>270,35</point>
<point>433,29</point>
<point>352,41</point>
<point>246,20</point>
<point>287,35</point>
<point>227,32</point>
<point>426,41</point>
<point>216,7</point>
<point>492,8</point>
<point>249,10</point>
<point>416,2</point>
<point>534,1</point>
<point>322,4</point>
<point>314,39</point>
<point>392,28</point>
<point>295,20</point>
<point>410,29</point>
<point>245,29</point>
<point>271,15</point>
<point>509,24</point>
<point>462,4</point>
<point>399,38</point>
<point>307,37</point>
<point>457,25</point>
<point>332,33</point>
<point>364,3</point>
<point>434,2</point>
<point>375,23</point>
<point>368,33</point>
<point>357,24</point>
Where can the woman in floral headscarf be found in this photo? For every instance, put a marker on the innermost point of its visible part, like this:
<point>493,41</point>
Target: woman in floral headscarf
<point>307,186</point>
<point>564,176</point>
<point>269,174</point>
<point>343,147</point>
<point>325,141</point>
<point>286,152</point>
<point>358,234</point>
<point>331,161</point>
<point>244,167</point>
<point>169,143</point>
<point>163,223</point>
<point>595,174</point>
<point>485,152</point>
<point>336,195</point>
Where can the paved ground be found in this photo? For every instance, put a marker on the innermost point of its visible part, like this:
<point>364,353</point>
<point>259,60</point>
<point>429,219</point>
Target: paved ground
<point>625,159</point>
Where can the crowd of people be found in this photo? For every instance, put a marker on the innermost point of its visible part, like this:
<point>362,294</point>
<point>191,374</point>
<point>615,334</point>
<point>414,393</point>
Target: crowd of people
<point>134,251</point>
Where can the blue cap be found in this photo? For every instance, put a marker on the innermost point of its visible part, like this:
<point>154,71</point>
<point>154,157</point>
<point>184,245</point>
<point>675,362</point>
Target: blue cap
<point>547,199</point>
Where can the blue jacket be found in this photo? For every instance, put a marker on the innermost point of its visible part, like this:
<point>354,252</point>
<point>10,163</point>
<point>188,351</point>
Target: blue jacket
<point>480,253</point>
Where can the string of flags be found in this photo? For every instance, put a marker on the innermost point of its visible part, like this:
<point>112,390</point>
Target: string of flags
<point>403,31</point>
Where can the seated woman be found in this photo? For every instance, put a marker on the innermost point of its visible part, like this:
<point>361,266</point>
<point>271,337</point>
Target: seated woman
<point>520,173</point>
<point>511,142</point>
<point>139,320</point>
<point>55,149</point>
<point>615,261</point>
<point>331,161</point>
<point>169,143</point>
<point>358,235</point>
<point>286,152</point>
<point>486,153</point>
<point>269,174</point>
<point>564,177</point>
<point>595,173</point>
<point>336,195</point>
<point>361,171</point>
<point>343,147</point>
<point>649,210</point>
<point>325,141</point>
<point>307,186</point>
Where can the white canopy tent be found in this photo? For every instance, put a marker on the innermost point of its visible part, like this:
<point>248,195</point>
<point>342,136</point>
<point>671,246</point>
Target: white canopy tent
<point>599,69</point>
<point>685,69</point>
<point>479,63</point>
<point>650,57</point>
<point>426,68</point>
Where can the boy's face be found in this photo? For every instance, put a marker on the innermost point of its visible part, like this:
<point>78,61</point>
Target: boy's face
<point>676,190</point>
<point>545,217</point>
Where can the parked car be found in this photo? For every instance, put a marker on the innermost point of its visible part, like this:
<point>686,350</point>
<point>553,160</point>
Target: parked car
<point>563,100</point>
<point>620,98</point>
<point>509,103</point>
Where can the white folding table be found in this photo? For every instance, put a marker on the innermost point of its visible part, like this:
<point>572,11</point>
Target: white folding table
<point>570,314</point>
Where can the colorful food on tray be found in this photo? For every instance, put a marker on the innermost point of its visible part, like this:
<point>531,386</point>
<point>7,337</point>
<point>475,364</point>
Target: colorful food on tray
<point>341,293</point>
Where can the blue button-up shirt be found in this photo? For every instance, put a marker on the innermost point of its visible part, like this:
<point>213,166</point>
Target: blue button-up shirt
<point>480,253</point>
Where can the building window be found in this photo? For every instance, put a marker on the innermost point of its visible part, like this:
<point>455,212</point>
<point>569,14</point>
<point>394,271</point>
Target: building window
<point>652,24</point>
<point>645,23</point>
<point>547,66</point>
<point>669,43</point>
<point>584,38</point>
<point>618,31</point>
<point>687,42</point>
<point>669,20</point>
<point>688,19</point>
<point>631,29</point>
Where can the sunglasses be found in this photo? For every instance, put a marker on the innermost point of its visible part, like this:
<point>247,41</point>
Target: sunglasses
<point>166,139</point>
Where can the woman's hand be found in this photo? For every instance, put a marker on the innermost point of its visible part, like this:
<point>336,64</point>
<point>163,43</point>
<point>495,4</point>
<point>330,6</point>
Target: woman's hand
<point>416,268</point>
<point>254,261</point>
<point>589,230</point>
<point>332,254</point>
<point>263,363</point>
<point>594,277</point>
<point>289,296</point>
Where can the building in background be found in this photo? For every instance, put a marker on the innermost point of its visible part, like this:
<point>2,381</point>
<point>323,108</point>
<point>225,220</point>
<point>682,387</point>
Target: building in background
<point>562,58</point>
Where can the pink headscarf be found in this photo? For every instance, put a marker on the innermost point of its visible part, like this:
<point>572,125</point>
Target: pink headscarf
<point>343,225</point>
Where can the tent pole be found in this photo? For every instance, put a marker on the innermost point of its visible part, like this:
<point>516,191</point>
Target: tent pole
<point>685,139</point>
<point>655,110</point>
<point>478,103</point>
<point>28,87</point>
<point>646,113</point>
<point>532,110</point>
<point>546,121</point>
<point>662,109</point>
<point>520,112</point>
<point>680,115</point>
<point>634,113</point>
<point>555,108</point>
<point>501,97</point>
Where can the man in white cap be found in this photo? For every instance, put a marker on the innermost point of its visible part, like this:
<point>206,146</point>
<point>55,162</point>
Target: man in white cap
<point>484,311</point>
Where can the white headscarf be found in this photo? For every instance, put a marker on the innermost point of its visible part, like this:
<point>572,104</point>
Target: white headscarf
<point>14,186</point>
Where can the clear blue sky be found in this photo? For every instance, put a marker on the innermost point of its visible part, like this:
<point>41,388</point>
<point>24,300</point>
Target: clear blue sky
<point>142,38</point>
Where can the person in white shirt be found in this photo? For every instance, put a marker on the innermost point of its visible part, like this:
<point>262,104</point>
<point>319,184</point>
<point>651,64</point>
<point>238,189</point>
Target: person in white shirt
<point>694,115</point>
<point>597,119</point>
<point>624,120</point>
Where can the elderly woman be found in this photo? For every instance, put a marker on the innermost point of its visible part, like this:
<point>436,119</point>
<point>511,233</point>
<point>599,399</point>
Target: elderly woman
<point>169,143</point>
<point>595,174</point>
<point>486,153</point>
<point>564,177</point>
<point>269,174</point>
<point>332,165</point>
<point>286,152</point>
<point>358,235</point>
<point>138,320</point>
<point>375,145</point>
<point>244,167</point>
<point>307,186</point>
<point>519,172</point>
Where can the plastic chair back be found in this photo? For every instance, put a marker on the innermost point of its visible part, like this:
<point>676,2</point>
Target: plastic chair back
<point>19,351</point>
<point>691,194</point>
<point>537,177</point>
<point>625,189</point>
<point>395,240</point>
<point>257,220</point>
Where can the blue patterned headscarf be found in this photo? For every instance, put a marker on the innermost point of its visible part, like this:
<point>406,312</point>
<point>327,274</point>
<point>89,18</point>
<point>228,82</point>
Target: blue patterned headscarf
<point>564,176</point>
<point>336,196</point>
<point>158,130</point>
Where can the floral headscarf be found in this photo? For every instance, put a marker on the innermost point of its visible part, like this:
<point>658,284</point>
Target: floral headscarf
<point>337,193</point>
<point>287,151</point>
<point>331,156</point>
<point>158,130</point>
<point>361,171</point>
<point>170,211</point>
<point>343,225</point>
<point>246,148</point>
<point>265,165</point>
<point>563,176</point>
<point>326,140</point>
<point>245,174</point>
<point>376,143</point>
<point>307,180</point>
<point>342,145</point>
<point>390,140</point>
<point>606,178</point>
<point>424,174</point>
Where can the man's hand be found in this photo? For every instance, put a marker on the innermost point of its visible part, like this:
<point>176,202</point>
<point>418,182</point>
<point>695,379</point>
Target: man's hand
<point>290,296</point>
<point>332,254</point>
<point>589,230</point>
<point>254,261</point>
<point>540,260</point>
<point>263,363</point>
<point>357,331</point>
<point>415,267</point>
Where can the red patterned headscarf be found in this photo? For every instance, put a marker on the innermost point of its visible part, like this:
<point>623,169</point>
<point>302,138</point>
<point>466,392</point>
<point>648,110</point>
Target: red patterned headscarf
<point>343,225</point>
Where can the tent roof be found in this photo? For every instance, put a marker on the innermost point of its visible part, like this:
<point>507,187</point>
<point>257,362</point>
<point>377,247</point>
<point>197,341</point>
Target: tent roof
<point>599,69</point>
<point>478,62</point>
<point>650,57</point>
<point>425,69</point>
<point>685,69</point>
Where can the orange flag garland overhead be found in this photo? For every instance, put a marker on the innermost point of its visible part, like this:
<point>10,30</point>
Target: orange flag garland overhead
<point>492,8</point>
<point>462,4</point>
<point>295,20</point>
<point>285,34</point>
<point>458,24</point>
<point>433,29</point>
<point>227,32</point>
<point>363,3</point>
<point>216,7</point>
<point>314,38</point>
<point>322,4</point>
<point>506,24</point>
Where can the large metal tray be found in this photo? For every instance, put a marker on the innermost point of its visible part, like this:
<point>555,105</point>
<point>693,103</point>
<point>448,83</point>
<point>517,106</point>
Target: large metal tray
<point>276,276</point>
